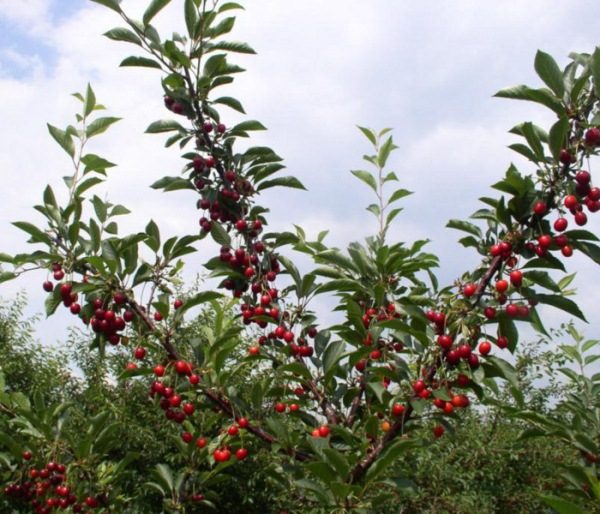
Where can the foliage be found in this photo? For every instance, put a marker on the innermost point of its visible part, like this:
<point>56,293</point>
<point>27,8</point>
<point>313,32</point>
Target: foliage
<point>335,406</point>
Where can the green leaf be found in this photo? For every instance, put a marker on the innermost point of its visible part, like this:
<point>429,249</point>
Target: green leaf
<point>541,96</point>
<point>560,302</point>
<point>333,352</point>
<point>191,17</point>
<point>366,177</point>
<point>37,235</point>
<point>63,138</point>
<point>543,279</point>
<point>533,140</point>
<point>153,9</point>
<point>144,62</point>
<point>230,102</point>
<point>233,46</point>
<point>172,184</point>
<point>90,101</point>
<point>153,240</point>
<point>369,134</point>
<point>562,506</point>
<point>199,298</point>
<point>6,276</point>
<point>219,234</point>
<point>159,126</point>
<point>111,4</point>
<point>123,34</point>
<point>558,136</point>
<point>398,194</point>
<point>465,226</point>
<point>596,70</point>
<point>549,72</point>
<point>384,152</point>
<point>589,249</point>
<point>292,182</point>
<point>496,367</point>
<point>248,125</point>
<point>100,125</point>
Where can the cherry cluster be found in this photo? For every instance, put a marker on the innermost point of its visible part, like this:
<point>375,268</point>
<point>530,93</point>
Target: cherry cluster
<point>47,488</point>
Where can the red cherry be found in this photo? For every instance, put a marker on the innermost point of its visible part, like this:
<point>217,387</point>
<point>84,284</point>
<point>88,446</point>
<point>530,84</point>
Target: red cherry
<point>561,224</point>
<point>159,370</point>
<point>139,353</point>
<point>158,316</point>
<point>194,379</point>
<point>545,240</point>
<point>580,218</point>
<point>438,431</point>
<point>48,286</point>
<point>464,351</point>
<point>594,194</point>
<point>233,430</point>
<point>280,407</point>
<point>501,285</point>
<point>419,386</point>
<point>583,177</point>
<point>177,304</point>
<point>485,347</point>
<point>502,342</point>
<point>445,341</point>
<point>540,208</point>
<point>187,437</point>
<point>243,422</point>
<point>512,310</point>
<point>571,202</point>
<point>469,290</point>
<point>397,409</point>
<point>324,431</point>
<point>516,278</point>
<point>592,137</point>
<point>567,251</point>
<point>489,312</point>
<point>241,454</point>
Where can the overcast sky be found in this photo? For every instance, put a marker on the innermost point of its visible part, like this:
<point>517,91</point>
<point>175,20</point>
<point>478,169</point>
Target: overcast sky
<point>427,69</point>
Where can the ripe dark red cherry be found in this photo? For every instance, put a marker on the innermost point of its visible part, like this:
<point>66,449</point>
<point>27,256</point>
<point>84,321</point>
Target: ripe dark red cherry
<point>438,431</point>
<point>580,218</point>
<point>501,285</point>
<point>485,347</point>
<point>540,208</point>
<point>502,342</point>
<point>592,137</point>
<point>571,202</point>
<point>561,224</point>
<point>516,278</point>
<point>397,409</point>
<point>469,290</point>
<point>280,407</point>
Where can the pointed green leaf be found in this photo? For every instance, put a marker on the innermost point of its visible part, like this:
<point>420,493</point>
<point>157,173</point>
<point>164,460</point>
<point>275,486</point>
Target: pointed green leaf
<point>541,96</point>
<point>465,226</point>
<point>191,17</point>
<point>369,134</point>
<point>230,102</point>
<point>562,506</point>
<point>560,302</point>
<point>90,101</point>
<point>366,177</point>
<point>549,72</point>
<point>292,182</point>
<point>233,46</point>
<point>123,34</point>
<point>153,9</point>
<point>558,136</point>
<point>100,125</point>
<point>596,70</point>
<point>144,62</point>
<point>63,138</point>
<point>159,126</point>
<point>111,4</point>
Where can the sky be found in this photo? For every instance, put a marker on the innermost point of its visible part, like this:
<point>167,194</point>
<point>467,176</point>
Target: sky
<point>426,69</point>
